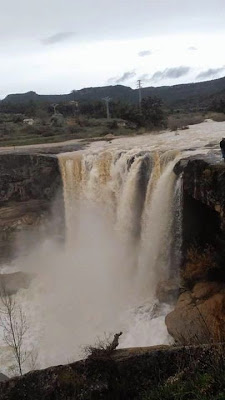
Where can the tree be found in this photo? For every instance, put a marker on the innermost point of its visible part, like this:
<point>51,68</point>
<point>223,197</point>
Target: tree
<point>42,115</point>
<point>14,324</point>
<point>152,112</point>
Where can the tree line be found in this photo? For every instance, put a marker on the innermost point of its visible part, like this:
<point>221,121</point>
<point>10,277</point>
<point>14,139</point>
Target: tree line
<point>151,112</point>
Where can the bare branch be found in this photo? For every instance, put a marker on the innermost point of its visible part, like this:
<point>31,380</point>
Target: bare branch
<point>14,324</point>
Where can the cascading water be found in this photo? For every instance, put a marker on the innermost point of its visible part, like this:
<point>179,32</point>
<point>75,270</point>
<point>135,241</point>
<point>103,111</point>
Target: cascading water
<point>121,208</point>
<point>133,193</point>
<point>177,226</point>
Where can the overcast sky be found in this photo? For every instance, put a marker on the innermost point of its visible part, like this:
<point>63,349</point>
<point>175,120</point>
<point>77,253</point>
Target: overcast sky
<point>54,46</point>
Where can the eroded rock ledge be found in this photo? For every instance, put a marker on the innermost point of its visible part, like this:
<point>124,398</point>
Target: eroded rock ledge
<point>25,177</point>
<point>199,314</point>
<point>126,374</point>
<point>29,183</point>
<point>204,180</point>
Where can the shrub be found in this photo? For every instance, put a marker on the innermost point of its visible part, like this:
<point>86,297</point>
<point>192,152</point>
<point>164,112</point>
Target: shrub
<point>152,112</point>
<point>202,377</point>
<point>103,348</point>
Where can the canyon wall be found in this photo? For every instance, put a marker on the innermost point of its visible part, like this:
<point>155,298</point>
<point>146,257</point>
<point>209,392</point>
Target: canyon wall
<point>199,315</point>
<point>30,187</point>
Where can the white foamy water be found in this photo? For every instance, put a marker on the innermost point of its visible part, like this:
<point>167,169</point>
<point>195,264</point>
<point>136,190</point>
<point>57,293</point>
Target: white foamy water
<point>196,137</point>
<point>123,236</point>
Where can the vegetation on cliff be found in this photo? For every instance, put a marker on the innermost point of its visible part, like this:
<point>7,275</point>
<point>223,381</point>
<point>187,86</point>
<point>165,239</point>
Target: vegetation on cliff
<point>184,373</point>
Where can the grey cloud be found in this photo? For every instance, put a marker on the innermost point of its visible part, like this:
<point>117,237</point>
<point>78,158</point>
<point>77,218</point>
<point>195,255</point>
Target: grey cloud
<point>145,78</point>
<point>210,73</point>
<point>127,75</point>
<point>58,37</point>
<point>144,53</point>
<point>170,73</point>
<point>29,24</point>
<point>152,17</point>
<point>192,48</point>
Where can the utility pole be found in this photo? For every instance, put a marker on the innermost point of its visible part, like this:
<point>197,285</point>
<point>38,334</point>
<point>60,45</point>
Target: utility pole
<point>140,94</point>
<point>54,106</point>
<point>107,100</point>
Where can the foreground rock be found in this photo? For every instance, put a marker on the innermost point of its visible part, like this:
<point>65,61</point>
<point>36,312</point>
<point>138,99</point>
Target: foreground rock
<point>127,374</point>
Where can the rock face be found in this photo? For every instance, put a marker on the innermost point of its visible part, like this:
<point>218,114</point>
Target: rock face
<point>25,177</point>
<point>124,375</point>
<point>204,181</point>
<point>28,186</point>
<point>199,315</point>
<point>167,291</point>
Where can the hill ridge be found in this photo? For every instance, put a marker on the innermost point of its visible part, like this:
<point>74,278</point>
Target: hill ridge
<point>194,93</point>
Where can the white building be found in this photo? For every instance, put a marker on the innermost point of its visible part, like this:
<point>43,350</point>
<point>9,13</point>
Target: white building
<point>28,121</point>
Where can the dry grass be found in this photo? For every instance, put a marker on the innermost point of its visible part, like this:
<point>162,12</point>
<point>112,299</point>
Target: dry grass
<point>182,121</point>
<point>216,116</point>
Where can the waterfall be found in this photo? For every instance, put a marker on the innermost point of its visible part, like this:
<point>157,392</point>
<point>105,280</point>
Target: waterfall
<point>123,237</point>
<point>123,218</point>
<point>177,226</point>
<point>119,208</point>
<point>156,239</point>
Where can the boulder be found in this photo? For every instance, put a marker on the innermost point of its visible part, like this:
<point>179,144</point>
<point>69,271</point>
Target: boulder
<point>199,315</point>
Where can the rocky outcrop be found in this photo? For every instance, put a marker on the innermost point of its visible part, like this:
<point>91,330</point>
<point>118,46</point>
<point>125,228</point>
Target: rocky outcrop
<point>126,374</point>
<point>199,315</point>
<point>204,180</point>
<point>29,183</point>
<point>26,177</point>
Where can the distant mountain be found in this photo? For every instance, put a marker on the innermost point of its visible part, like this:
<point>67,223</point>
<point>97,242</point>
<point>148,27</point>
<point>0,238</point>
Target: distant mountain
<point>185,95</point>
<point>118,92</point>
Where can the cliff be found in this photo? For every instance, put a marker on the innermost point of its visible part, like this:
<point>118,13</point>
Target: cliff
<point>199,313</point>
<point>204,180</point>
<point>29,183</point>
